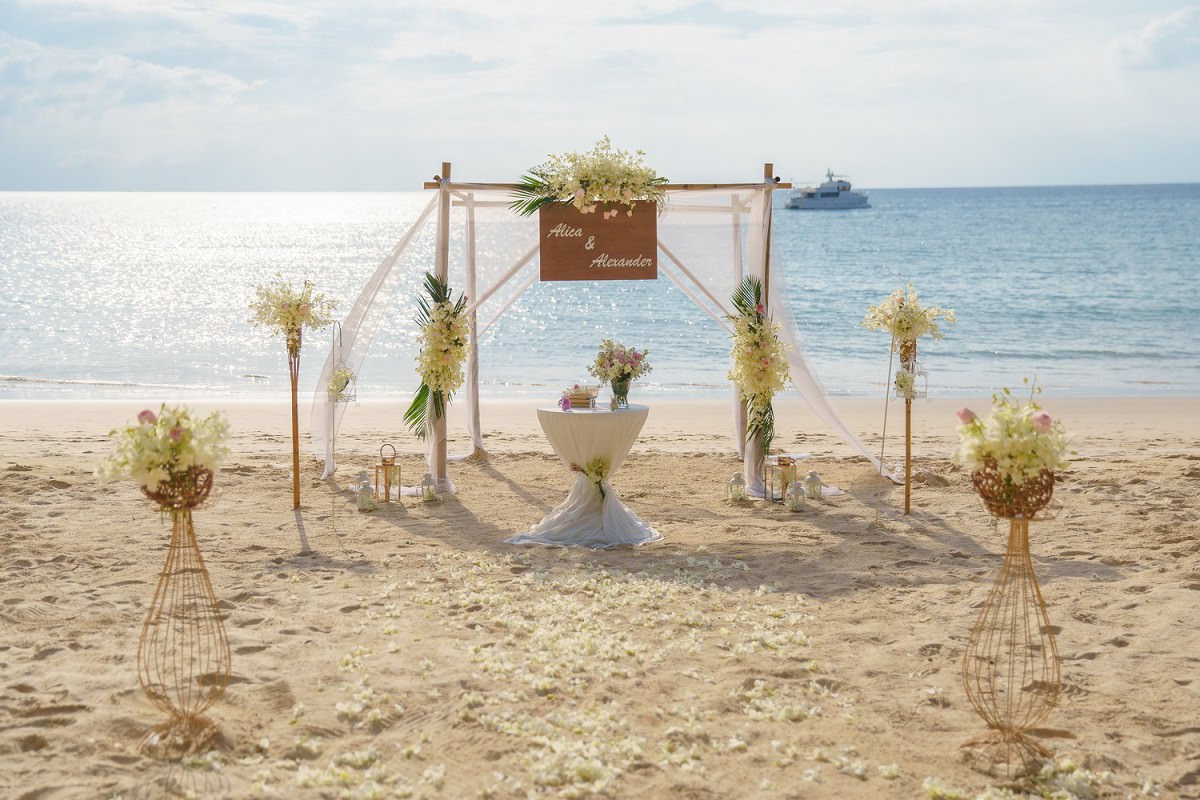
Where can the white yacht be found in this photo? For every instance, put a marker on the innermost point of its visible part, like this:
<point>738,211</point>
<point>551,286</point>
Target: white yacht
<point>834,193</point>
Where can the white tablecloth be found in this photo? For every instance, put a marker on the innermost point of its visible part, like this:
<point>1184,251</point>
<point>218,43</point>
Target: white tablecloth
<point>584,518</point>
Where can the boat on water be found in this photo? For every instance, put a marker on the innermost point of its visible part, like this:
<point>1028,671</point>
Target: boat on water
<point>833,193</point>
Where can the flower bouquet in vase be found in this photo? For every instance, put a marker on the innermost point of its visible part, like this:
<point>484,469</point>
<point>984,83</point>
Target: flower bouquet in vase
<point>619,366</point>
<point>183,653</point>
<point>1010,667</point>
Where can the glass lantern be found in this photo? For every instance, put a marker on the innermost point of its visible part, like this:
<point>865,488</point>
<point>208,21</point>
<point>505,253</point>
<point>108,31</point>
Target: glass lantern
<point>794,499</point>
<point>737,488</point>
<point>364,493</point>
<point>429,492</point>
<point>812,485</point>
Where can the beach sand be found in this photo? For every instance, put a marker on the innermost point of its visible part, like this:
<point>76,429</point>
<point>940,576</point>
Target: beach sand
<point>753,652</point>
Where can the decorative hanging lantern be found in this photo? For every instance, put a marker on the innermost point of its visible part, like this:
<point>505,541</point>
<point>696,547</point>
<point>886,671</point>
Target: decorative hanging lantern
<point>387,471</point>
<point>429,492</point>
<point>364,494</point>
<point>737,488</point>
<point>794,499</point>
<point>812,485</point>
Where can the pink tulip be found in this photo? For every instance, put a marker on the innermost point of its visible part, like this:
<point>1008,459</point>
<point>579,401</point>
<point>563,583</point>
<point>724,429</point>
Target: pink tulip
<point>147,417</point>
<point>1042,421</point>
<point>965,415</point>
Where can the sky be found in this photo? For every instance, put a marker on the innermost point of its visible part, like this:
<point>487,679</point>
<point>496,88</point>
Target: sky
<point>373,95</point>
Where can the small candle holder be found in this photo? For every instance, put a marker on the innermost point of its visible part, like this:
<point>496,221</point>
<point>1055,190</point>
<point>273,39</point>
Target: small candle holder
<point>794,499</point>
<point>364,495</point>
<point>429,492</point>
<point>736,491</point>
<point>812,486</point>
<point>387,471</point>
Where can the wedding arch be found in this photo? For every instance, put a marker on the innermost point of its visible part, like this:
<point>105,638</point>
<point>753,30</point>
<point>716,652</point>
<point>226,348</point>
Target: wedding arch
<point>710,236</point>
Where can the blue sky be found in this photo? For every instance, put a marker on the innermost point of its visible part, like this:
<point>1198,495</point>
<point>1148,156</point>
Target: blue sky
<point>361,95</point>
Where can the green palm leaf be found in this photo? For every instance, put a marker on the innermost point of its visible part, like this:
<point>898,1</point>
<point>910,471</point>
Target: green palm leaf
<point>531,194</point>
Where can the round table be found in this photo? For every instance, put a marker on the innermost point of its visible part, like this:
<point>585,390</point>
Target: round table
<point>592,515</point>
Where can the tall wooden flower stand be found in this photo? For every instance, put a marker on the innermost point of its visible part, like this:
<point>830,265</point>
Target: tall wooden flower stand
<point>184,662</point>
<point>293,347</point>
<point>908,361</point>
<point>1010,667</point>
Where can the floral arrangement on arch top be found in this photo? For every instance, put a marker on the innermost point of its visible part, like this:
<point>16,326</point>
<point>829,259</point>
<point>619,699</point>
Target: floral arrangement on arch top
<point>604,174</point>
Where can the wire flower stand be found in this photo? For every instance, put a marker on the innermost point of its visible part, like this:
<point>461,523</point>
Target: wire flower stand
<point>184,661</point>
<point>1010,667</point>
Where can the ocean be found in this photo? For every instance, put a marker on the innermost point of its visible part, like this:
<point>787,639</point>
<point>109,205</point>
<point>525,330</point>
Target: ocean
<point>1090,290</point>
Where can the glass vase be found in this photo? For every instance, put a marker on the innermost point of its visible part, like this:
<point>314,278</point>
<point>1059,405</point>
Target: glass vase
<point>620,390</point>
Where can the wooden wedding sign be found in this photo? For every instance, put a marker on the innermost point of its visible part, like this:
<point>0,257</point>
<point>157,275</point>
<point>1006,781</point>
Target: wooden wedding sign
<point>606,245</point>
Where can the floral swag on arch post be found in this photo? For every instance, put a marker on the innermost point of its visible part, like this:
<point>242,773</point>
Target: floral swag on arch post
<point>759,369</point>
<point>444,342</point>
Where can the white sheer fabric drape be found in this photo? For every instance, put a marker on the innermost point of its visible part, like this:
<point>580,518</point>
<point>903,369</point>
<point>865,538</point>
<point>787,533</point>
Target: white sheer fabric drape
<point>358,330</point>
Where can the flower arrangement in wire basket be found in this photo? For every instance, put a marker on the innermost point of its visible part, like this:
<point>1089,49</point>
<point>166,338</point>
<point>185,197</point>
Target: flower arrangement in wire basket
<point>444,334</point>
<point>604,174</point>
<point>760,367</point>
<point>165,452</point>
<point>1012,454</point>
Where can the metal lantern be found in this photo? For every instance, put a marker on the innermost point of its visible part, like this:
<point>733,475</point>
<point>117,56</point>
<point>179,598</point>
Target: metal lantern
<point>429,492</point>
<point>387,472</point>
<point>364,495</point>
<point>794,499</point>
<point>737,488</point>
<point>812,485</point>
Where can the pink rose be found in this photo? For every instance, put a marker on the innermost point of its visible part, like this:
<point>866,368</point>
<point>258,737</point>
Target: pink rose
<point>1042,421</point>
<point>965,415</point>
<point>147,417</point>
<point>766,362</point>
<point>759,309</point>
<point>176,434</point>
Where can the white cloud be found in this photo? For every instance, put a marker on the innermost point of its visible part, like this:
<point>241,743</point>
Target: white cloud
<point>1164,43</point>
<point>376,93</point>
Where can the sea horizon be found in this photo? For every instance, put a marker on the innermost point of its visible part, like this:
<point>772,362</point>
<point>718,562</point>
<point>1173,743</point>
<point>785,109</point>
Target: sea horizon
<point>1089,289</point>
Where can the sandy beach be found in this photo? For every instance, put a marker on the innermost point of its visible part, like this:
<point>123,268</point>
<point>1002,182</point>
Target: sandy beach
<point>752,653</point>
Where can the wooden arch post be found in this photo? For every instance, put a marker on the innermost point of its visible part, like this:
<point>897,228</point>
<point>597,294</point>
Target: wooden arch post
<point>442,268</point>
